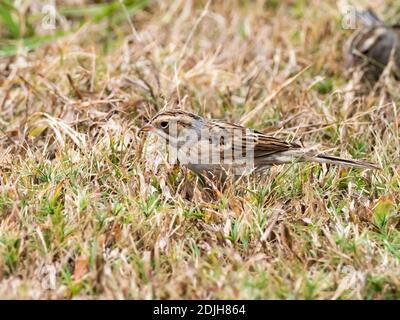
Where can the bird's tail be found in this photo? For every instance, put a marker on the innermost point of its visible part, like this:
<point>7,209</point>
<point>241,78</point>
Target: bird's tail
<point>302,154</point>
<point>324,158</point>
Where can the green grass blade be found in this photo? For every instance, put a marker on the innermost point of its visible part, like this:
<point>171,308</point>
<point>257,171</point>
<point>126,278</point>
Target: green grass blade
<point>7,19</point>
<point>100,11</point>
<point>32,43</point>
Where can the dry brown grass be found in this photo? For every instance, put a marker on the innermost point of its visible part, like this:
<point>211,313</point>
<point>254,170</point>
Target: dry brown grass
<point>78,197</point>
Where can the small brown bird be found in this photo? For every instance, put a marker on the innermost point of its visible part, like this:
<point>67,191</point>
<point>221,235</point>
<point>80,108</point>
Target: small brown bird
<point>206,145</point>
<point>372,46</point>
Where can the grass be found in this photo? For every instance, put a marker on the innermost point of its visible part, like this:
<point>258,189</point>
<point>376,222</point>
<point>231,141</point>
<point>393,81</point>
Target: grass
<point>88,204</point>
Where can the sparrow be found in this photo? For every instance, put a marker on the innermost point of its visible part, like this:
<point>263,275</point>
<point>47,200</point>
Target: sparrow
<point>214,146</point>
<point>372,45</point>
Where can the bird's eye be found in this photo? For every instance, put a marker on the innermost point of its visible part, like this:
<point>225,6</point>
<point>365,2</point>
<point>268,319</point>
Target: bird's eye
<point>164,124</point>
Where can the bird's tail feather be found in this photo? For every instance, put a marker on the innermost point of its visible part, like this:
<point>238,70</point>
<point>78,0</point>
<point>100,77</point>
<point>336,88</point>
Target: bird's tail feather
<point>311,155</point>
<point>324,158</point>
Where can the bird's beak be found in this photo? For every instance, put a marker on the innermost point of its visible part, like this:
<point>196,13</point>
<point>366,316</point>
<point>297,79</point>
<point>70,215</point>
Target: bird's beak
<point>148,127</point>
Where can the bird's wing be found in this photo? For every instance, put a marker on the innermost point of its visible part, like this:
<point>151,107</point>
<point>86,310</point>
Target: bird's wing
<point>369,18</point>
<point>242,140</point>
<point>267,145</point>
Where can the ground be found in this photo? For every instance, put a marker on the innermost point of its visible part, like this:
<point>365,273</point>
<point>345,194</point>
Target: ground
<point>84,213</point>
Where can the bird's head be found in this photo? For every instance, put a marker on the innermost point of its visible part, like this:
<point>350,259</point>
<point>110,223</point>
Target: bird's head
<point>171,124</point>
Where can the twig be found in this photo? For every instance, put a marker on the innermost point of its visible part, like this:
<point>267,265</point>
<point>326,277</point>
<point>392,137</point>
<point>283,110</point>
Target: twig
<point>189,38</point>
<point>12,140</point>
<point>253,113</point>
<point>134,32</point>
<point>77,91</point>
